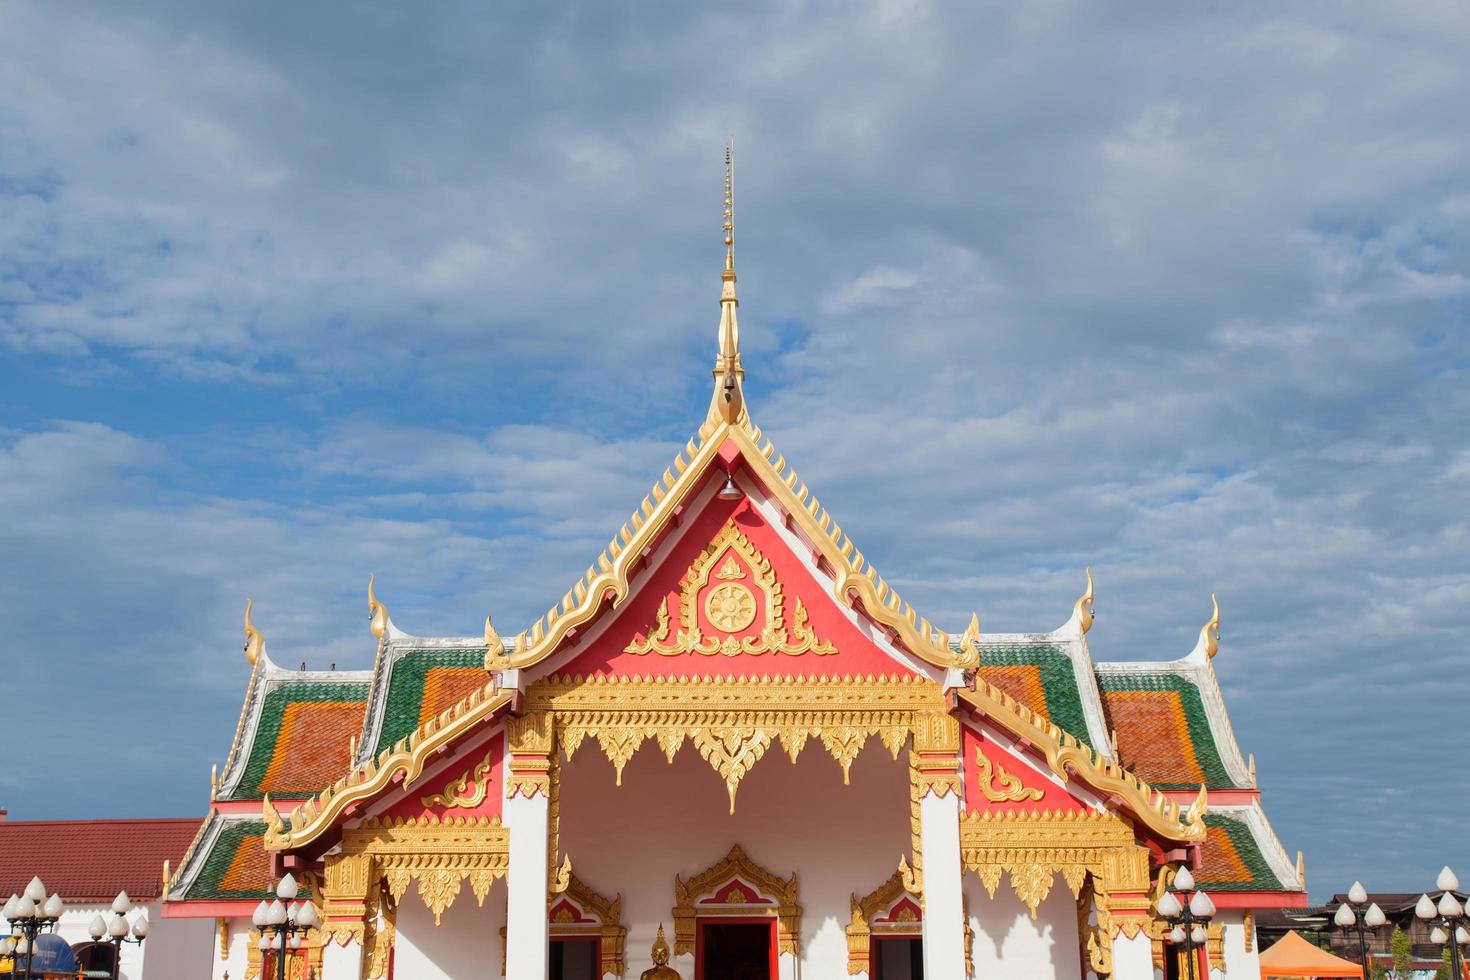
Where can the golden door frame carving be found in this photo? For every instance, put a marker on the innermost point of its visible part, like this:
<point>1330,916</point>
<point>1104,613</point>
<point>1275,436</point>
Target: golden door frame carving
<point>608,930</point>
<point>861,930</point>
<point>780,892</point>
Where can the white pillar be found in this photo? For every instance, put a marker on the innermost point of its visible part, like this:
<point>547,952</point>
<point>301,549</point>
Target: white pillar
<point>341,962</point>
<point>526,934</point>
<point>944,904</point>
<point>1133,959</point>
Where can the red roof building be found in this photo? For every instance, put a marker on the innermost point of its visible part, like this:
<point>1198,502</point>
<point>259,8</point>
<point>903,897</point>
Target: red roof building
<point>89,861</point>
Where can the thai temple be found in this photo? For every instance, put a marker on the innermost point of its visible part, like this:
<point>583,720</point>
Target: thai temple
<point>731,751</point>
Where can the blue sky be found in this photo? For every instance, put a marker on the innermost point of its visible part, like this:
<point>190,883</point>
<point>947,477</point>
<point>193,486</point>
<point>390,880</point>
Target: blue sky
<point>1178,291</point>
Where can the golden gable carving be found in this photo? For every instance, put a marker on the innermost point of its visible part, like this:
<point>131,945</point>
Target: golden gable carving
<point>731,607</point>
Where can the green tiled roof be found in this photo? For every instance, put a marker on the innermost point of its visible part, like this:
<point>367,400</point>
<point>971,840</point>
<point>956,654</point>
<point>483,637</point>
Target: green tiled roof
<point>1058,680</point>
<point>215,880</point>
<point>1161,751</point>
<point>1233,860</point>
<point>264,747</point>
<point>406,688</point>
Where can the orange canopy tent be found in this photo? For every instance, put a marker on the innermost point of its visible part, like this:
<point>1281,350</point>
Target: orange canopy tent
<point>1293,956</point>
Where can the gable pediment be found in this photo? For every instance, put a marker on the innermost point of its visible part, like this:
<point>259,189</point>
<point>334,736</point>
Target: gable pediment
<point>731,592</point>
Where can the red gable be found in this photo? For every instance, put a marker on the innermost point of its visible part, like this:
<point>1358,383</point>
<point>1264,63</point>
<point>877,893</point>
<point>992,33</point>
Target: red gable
<point>729,597</point>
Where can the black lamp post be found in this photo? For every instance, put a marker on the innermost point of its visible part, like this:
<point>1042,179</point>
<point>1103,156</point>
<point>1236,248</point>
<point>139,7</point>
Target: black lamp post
<point>1448,918</point>
<point>30,914</point>
<point>115,930</point>
<point>1191,911</point>
<point>1357,915</point>
<point>284,923</point>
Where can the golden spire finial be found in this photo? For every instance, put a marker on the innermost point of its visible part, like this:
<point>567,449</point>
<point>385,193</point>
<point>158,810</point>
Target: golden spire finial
<point>254,642</point>
<point>728,401</point>
<point>730,210</point>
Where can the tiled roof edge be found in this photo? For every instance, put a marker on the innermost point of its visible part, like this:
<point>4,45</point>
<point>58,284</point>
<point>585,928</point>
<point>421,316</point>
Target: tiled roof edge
<point>1254,817</point>
<point>266,677</point>
<point>1073,640</point>
<point>188,870</point>
<point>1200,673</point>
<point>391,651</point>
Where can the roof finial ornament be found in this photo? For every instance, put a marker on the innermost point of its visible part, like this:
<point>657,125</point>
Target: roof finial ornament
<point>254,641</point>
<point>729,401</point>
<point>1209,634</point>
<point>494,647</point>
<point>377,612</point>
<point>1083,611</point>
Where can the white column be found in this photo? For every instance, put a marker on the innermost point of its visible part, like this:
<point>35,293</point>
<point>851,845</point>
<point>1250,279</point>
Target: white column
<point>526,951</point>
<point>1133,959</point>
<point>944,906</point>
<point>341,962</point>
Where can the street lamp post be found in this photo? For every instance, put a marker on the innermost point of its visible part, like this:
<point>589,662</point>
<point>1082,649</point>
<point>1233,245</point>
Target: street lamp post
<point>1191,911</point>
<point>30,914</point>
<point>1356,914</point>
<point>284,923</point>
<point>1447,917</point>
<point>115,930</point>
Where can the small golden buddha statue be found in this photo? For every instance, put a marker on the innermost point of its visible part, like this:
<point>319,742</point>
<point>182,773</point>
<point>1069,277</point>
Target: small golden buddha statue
<point>660,969</point>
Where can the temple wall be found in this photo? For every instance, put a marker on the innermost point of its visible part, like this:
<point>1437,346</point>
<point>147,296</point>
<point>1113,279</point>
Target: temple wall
<point>667,819</point>
<point>465,944</point>
<point>1238,963</point>
<point>174,947</point>
<point>1009,944</point>
<point>236,960</point>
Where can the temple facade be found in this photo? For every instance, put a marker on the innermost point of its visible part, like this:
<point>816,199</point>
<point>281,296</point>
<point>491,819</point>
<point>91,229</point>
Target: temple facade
<point>731,751</point>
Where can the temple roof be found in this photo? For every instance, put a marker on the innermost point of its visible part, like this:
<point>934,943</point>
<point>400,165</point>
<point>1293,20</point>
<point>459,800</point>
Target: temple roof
<point>1170,720</point>
<point>1242,854</point>
<point>92,860</point>
<point>226,862</point>
<point>1136,728</point>
<point>295,731</point>
<point>414,679</point>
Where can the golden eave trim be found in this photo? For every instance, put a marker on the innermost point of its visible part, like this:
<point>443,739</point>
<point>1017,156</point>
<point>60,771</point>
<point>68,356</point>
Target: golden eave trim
<point>852,574</point>
<point>407,757</point>
<point>1066,756</point>
<point>611,573</point>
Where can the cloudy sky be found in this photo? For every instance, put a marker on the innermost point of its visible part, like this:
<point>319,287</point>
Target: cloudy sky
<point>289,295</point>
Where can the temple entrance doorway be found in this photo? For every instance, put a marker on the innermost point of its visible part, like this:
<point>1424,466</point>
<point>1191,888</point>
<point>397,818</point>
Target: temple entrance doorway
<point>898,958</point>
<point>573,959</point>
<point>735,951</point>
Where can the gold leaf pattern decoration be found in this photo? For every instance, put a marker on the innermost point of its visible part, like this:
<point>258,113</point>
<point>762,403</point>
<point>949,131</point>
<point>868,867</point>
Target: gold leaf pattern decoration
<point>731,607</point>
<point>999,786</point>
<point>732,752</point>
<point>461,792</point>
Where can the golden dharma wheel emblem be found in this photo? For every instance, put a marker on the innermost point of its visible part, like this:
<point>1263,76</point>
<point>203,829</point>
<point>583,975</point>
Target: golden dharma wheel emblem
<point>730,607</point>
